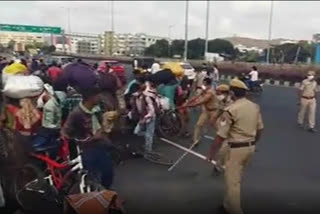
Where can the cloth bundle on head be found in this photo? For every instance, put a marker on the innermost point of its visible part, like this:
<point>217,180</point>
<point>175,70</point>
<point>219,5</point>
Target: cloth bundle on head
<point>175,68</point>
<point>23,86</point>
<point>79,75</point>
<point>15,68</point>
<point>162,77</point>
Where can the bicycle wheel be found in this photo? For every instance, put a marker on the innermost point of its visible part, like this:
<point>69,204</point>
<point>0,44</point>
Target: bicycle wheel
<point>169,124</point>
<point>33,192</point>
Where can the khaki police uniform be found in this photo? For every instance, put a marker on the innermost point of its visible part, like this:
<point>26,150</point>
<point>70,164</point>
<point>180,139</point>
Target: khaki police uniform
<point>208,108</point>
<point>238,125</point>
<point>221,105</point>
<point>308,101</point>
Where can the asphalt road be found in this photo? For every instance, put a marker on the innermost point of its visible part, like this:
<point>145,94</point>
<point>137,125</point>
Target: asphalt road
<point>283,176</point>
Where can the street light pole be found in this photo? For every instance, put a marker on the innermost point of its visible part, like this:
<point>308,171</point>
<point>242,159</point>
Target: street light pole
<point>207,29</point>
<point>185,55</point>
<point>112,16</point>
<point>69,20</point>
<point>169,39</point>
<point>270,32</point>
<point>68,25</point>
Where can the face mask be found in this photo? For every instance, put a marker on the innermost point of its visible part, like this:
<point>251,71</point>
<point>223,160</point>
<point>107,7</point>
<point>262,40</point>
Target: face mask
<point>310,77</point>
<point>229,99</point>
<point>220,97</point>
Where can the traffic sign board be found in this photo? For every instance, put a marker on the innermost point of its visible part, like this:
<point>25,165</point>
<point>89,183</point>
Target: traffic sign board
<point>30,29</point>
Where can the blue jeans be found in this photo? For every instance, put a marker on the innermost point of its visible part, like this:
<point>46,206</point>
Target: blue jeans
<point>98,162</point>
<point>147,130</point>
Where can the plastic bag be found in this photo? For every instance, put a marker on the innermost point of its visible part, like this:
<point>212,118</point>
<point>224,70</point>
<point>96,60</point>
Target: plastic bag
<point>23,86</point>
<point>164,103</point>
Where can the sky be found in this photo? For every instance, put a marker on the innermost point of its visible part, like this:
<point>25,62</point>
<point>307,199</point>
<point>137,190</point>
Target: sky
<point>291,19</point>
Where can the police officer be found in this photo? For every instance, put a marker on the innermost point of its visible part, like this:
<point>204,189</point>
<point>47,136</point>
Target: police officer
<point>223,101</point>
<point>240,126</point>
<point>307,100</point>
<point>207,101</point>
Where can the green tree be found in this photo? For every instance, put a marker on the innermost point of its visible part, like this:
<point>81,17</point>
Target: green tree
<point>11,44</point>
<point>288,52</point>
<point>196,48</point>
<point>48,49</point>
<point>159,49</point>
<point>221,46</point>
<point>250,56</point>
<point>177,47</point>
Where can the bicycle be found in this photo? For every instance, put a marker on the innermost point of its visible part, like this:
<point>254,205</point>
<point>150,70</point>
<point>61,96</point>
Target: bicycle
<point>59,180</point>
<point>169,124</point>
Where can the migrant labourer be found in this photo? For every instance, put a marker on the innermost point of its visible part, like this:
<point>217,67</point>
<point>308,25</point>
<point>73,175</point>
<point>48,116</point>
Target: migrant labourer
<point>84,128</point>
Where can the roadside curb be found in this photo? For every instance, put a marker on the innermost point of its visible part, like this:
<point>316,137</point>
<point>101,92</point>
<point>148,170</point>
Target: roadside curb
<point>271,82</point>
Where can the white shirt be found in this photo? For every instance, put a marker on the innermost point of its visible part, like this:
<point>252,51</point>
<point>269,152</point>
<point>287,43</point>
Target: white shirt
<point>254,75</point>
<point>155,68</point>
<point>215,74</point>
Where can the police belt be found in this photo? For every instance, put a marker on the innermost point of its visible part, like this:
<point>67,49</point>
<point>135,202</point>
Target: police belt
<point>240,145</point>
<point>308,98</point>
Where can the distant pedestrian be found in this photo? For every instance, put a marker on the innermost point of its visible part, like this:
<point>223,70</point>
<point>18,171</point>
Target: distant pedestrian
<point>155,67</point>
<point>307,101</point>
<point>215,75</point>
<point>34,65</point>
<point>54,72</point>
<point>201,75</point>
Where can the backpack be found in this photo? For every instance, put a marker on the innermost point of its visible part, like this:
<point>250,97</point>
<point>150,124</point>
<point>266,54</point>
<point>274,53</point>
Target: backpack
<point>155,102</point>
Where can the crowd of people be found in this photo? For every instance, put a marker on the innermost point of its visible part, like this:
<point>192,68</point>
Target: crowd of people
<point>82,102</point>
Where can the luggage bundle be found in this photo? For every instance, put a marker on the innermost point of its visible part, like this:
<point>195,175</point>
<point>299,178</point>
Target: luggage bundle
<point>18,87</point>
<point>104,202</point>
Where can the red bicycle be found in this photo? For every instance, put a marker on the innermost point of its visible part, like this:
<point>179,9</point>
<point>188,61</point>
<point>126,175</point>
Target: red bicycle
<point>48,180</point>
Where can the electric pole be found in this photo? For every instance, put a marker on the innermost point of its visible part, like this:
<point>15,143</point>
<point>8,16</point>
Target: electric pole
<point>270,32</point>
<point>185,55</point>
<point>207,29</point>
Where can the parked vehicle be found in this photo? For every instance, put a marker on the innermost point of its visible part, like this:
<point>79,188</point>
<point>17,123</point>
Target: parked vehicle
<point>189,71</point>
<point>180,68</point>
<point>59,59</point>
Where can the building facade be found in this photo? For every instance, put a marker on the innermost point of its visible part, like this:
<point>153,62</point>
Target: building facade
<point>108,43</point>
<point>84,43</point>
<point>23,38</point>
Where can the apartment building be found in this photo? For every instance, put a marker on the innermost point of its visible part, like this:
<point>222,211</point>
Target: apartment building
<point>23,38</point>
